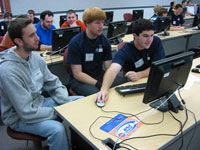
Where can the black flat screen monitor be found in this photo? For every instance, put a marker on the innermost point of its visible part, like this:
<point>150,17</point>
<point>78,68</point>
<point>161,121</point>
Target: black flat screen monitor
<point>61,37</point>
<point>63,18</point>
<point>116,30</point>
<point>163,25</point>
<point>109,17</point>
<point>165,77</point>
<point>137,14</point>
<point>196,21</point>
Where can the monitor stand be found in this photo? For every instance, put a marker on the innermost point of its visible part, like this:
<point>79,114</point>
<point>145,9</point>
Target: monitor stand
<point>116,41</point>
<point>172,104</point>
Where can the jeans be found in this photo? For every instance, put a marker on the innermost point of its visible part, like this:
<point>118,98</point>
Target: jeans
<point>52,129</point>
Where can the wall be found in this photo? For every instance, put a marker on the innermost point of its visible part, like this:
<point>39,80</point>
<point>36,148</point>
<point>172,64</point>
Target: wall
<point>60,6</point>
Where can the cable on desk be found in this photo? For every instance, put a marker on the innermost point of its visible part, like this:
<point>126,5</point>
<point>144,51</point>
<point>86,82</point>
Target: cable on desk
<point>182,100</point>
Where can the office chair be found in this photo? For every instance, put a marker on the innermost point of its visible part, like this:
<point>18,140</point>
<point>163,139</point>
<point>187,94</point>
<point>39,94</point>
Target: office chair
<point>67,67</point>
<point>1,38</point>
<point>128,17</point>
<point>120,45</point>
<point>26,136</point>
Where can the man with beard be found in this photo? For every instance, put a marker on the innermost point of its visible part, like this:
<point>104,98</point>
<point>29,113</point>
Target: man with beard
<point>44,29</point>
<point>88,52</point>
<point>134,58</point>
<point>24,74</point>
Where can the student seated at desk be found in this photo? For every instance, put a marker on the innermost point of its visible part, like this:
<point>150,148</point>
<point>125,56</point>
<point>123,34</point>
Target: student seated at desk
<point>24,74</point>
<point>4,24</point>
<point>31,15</point>
<point>177,21</point>
<point>44,29</point>
<point>156,8</point>
<point>172,7</point>
<point>134,58</point>
<point>162,12</point>
<point>88,52</point>
<point>73,21</point>
<point>8,43</point>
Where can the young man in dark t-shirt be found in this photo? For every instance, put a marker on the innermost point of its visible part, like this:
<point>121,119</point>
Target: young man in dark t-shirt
<point>87,53</point>
<point>134,58</point>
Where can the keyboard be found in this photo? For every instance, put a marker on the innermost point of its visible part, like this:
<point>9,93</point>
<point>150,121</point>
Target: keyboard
<point>129,89</point>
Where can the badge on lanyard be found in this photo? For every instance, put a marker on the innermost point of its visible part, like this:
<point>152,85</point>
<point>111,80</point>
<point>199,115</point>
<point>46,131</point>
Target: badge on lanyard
<point>139,63</point>
<point>174,22</point>
<point>89,57</point>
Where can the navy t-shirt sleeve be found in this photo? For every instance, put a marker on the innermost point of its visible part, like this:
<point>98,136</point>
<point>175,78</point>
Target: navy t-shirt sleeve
<point>159,50</point>
<point>120,56</point>
<point>107,49</point>
<point>74,54</point>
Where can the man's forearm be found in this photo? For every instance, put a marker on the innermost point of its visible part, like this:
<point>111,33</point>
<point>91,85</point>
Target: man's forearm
<point>85,78</point>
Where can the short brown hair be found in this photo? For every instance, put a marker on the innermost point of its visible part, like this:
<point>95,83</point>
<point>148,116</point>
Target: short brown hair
<point>162,11</point>
<point>93,13</point>
<point>156,8</point>
<point>16,26</point>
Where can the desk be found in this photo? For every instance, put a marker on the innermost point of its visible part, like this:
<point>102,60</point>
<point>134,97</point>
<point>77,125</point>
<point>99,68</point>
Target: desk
<point>80,114</point>
<point>189,19</point>
<point>176,42</point>
<point>56,66</point>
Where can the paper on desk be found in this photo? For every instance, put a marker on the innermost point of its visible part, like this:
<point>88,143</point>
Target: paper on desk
<point>190,81</point>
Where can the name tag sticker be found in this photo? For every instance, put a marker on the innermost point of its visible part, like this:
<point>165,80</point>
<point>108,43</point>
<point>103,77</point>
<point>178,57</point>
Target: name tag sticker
<point>139,63</point>
<point>37,74</point>
<point>89,57</point>
<point>174,22</point>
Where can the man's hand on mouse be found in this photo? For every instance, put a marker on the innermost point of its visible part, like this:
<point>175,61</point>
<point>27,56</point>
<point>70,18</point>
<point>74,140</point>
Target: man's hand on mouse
<point>101,95</point>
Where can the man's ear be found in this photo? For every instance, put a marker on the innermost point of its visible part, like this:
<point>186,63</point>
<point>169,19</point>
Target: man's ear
<point>134,35</point>
<point>18,41</point>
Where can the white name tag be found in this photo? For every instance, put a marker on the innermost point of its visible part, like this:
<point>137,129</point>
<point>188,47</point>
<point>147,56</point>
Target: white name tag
<point>139,63</point>
<point>174,22</point>
<point>37,74</point>
<point>89,57</point>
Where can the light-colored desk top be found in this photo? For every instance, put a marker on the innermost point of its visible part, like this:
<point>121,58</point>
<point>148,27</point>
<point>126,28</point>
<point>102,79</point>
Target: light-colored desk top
<point>81,114</point>
<point>51,59</point>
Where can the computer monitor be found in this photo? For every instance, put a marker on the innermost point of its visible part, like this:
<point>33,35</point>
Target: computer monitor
<point>165,77</point>
<point>116,30</point>
<point>137,14</point>
<point>163,25</point>
<point>63,18</point>
<point>109,17</point>
<point>196,21</point>
<point>61,37</point>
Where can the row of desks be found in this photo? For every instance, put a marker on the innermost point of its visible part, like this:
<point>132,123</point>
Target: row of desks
<point>80,115</point>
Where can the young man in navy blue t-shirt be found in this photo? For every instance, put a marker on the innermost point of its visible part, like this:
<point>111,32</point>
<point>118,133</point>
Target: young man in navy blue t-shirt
<point>87,53</point>
<point>134,58</point>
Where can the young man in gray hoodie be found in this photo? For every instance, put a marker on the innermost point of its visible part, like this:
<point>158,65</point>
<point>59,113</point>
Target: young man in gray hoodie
<point>24,75</point>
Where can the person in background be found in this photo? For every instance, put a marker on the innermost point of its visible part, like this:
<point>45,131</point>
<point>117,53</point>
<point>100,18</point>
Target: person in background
<point>172,7</point>
<point>8,43</point>
<point>88,52</point>
<point>162,12</point>
<point>24,75</point>
<point>177,21</point>
<point>31,15</point>
<point>73,21</point>
<point>134,58</point>
<point>156,9</point>
<point>4,24</point>
<point>44,30</point>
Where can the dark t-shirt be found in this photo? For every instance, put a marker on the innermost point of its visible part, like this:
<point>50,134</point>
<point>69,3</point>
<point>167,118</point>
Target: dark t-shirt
<point>177,20</point>
<point>90,54</point>
<point>132,59</point>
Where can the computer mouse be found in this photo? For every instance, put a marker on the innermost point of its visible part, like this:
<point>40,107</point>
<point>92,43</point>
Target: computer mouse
<point>196,70</point>
<point>100,103</point>
<point>198,66</point>
<point>43,54</point>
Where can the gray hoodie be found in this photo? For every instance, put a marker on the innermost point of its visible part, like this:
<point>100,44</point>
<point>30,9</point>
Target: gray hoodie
<point>21,84</point>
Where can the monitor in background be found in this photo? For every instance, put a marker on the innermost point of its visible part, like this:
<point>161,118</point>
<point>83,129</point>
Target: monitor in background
<point>63,18</point>
<point>61,37</point>
<point>137,14</point>
<point>191,9</point>
<point>109,17</point>
<point>165,77</point>
<point>196,21</point>
<point>163,25</point>
<point>116,30</point>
